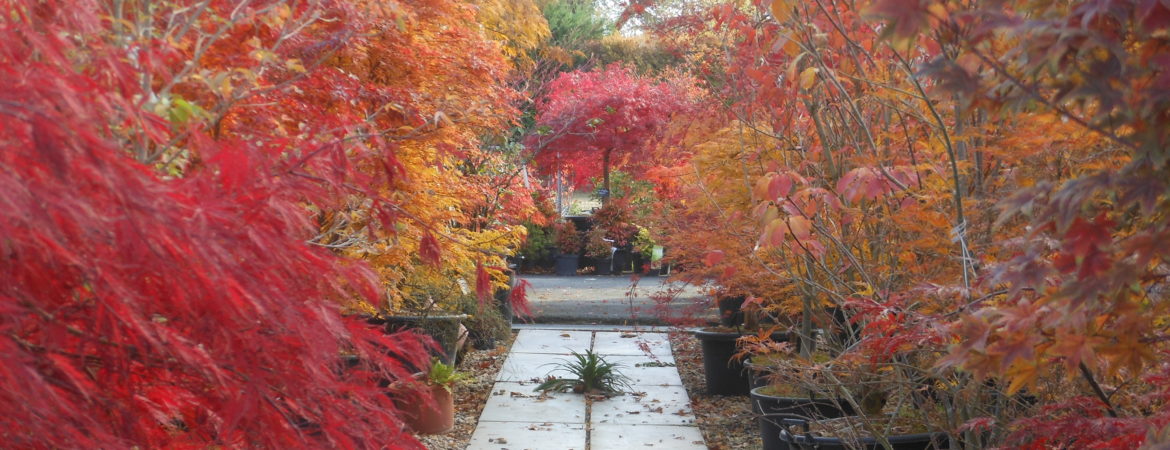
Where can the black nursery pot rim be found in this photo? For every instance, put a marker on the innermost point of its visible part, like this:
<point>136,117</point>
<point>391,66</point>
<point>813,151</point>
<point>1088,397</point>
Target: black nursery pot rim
<point>778,336</point>
<point>894,438</point>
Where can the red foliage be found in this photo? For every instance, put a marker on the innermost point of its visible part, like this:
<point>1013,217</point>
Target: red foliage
<point>158,312</point>
<point>429,250</point>
<point>1081,422</point>
<point>590,121</point>
<point>616,218</point>
<point>518,298</point>
<point>567,237</point>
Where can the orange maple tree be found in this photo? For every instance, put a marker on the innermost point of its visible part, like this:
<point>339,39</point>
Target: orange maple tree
<point>928,163</point>
<point>194,190</point>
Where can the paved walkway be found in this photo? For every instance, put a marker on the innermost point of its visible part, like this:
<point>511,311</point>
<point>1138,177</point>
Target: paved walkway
<point>656,415</point>
<point>608,299</point>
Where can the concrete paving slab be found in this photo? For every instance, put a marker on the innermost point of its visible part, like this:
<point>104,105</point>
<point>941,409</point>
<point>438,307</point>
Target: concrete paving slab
<point>528,436</point>
<point>607,436</point>
<point>515,402</point>
<point>552,341</point>
<point>637,344</point>
<point>660,405</point>
<point>657,415</point>
<point>531,367</point>
<point>650,374</point>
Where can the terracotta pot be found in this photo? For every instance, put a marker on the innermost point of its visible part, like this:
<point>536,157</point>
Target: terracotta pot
<point>423,418</point>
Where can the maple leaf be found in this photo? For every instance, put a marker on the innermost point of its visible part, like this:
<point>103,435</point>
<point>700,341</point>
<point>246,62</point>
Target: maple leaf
<point>429,250</point>
<point>1084,236</point>
<point>1075,348</point>
<point>713,257</point>
<point>800,227</point>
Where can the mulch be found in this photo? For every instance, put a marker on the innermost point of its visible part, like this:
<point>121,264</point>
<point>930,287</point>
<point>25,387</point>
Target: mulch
<point>726,421</point>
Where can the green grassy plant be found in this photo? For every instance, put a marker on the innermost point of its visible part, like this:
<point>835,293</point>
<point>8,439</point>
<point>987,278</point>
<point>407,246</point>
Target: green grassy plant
<point>592,374</point>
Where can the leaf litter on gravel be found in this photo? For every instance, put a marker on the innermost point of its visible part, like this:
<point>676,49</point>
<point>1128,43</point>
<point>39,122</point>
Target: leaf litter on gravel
<point>726,422</point>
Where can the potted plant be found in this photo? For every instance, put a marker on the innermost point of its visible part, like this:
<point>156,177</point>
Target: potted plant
<point>723,354</point>
<point>644,253</point>
<point>876,410</point>
<point>613,223</point>
<point>856,432</point>
<point>486,325</point>
<point>430,306</point>
<point>783,385</point>
<point>568,242</point>
<point>538,249</point>
<point>600,249</point>
<point>437,417</point>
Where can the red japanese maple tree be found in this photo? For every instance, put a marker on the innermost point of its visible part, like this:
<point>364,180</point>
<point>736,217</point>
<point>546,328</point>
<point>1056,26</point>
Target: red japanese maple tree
<point>159,285</point>
<point>589,122</point>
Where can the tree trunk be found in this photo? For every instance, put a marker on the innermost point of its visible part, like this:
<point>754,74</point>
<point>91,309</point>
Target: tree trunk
<point>605,175</point>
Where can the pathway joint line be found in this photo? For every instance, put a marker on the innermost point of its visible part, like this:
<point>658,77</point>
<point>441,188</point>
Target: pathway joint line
<point>657,417</point>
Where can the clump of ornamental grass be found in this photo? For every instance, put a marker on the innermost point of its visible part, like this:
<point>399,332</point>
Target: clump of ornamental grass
<point>591,374</point>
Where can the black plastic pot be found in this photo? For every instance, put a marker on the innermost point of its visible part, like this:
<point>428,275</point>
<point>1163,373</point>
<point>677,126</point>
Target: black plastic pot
<point>771,408</point>
<point>567,265</point>
<point>604,266</point>
<point>443,328</point>
<point>621,262</point>
<point>725,375</point>
<point>795,433</point>
<point>757,375</point>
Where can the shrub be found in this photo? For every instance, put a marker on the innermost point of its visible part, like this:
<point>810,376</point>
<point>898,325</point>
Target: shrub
<point>568,238</point>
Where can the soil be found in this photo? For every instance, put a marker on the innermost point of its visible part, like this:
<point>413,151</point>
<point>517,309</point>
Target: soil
<point>853,427</point>
<point>727,422</point>
<point>471,395</point>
